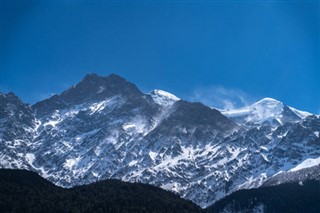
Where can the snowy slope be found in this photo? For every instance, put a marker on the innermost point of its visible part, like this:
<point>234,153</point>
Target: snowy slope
<point>310,162</point>
<point>301,114</point>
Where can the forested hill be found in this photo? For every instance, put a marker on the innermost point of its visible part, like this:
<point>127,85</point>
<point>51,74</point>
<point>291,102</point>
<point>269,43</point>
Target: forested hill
<point>24,191</point>
<point>289,197</point>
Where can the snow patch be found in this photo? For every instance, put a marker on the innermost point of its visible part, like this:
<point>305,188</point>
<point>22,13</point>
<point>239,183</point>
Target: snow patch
<point>253,182</point>
<point>136,125</point>
<point>310,162</point>
<point>133,162</point>
<point>100,106</point>
<point>30,158</point>
<point>172,187</point>
<point>101,89</point>
<point>128,126</point>
<point>71,162</point>
<point>264,148</point>
<point>97,107</point>
<point>265,158</point>
<point>95,174</point>
<point>52,123</point>
<point>153,155</point>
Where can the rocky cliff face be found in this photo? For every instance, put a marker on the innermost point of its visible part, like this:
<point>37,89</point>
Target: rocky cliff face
<point>105,127</point>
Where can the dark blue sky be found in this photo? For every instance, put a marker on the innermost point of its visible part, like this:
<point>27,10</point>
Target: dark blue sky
<point>226,54</point>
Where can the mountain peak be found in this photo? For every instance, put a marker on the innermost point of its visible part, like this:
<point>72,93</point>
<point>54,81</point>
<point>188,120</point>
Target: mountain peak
<point>165,94</point>
<point>92,88</point>
<point>91,75</point>
<point>265,110</point>
<point>163,98</point>
<point>268,101</point>
<point>10,96</point>
<point>96,77</point>
<point>115,76</point>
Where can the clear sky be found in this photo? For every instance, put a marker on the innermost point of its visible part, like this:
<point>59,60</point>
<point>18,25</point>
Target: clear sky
<point>223,53</point>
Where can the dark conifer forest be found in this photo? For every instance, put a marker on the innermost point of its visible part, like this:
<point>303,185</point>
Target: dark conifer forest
<point>24,191</point>
<point>284,198</point>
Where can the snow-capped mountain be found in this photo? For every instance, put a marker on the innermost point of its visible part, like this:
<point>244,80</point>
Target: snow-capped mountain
<point>105,127</point>
<point>163,98</point>
<point>267,110</point>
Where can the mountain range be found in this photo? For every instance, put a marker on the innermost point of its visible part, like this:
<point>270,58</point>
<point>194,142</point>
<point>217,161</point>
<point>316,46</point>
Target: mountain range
<point>106,128</point>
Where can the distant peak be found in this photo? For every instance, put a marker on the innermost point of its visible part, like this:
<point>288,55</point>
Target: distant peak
<point>92,75</point>
<point>268,100</point>
<point>268,103</point>
<point>11,95</point>
<point>163,98</point>
<point>115,77</point>
<point>94,87</point>
<point>266,110</point>
<point>95,78</point>
<point>164,94</point>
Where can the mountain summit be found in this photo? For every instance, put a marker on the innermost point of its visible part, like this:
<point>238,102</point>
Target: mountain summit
<point>163,98</point>
<point>105,127</point>
<point>92,88</point>
<point>267,110</point>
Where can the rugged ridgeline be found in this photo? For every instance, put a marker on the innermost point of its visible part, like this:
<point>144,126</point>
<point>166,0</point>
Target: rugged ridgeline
<point>24,191</point>
<point>105,127</point>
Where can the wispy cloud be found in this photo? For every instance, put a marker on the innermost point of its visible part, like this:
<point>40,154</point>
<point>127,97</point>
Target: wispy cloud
<point>220,97</point>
